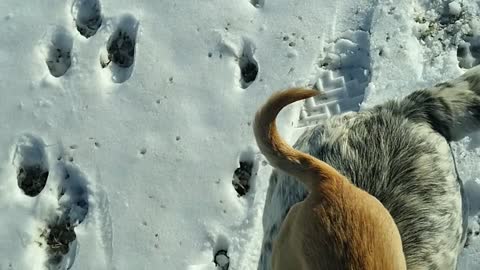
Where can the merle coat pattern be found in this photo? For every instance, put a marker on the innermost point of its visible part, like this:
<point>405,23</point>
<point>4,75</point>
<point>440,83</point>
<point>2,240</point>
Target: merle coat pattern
<point>402,147</point>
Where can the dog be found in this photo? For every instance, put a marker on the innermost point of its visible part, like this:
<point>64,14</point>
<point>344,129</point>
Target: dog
<point>338,225</point>
<point>397,152</point>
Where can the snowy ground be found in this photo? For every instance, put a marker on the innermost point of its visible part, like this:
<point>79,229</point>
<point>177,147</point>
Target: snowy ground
<point>137,151</point>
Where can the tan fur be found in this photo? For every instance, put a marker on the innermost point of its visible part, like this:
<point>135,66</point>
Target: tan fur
<point>338,226</point>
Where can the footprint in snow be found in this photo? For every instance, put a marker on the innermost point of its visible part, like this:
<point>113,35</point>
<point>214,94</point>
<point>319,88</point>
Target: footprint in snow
<point>257,3</point>
<point>248,65</point>
<point>343,74</point>
<point>58,44</point>
<point>242,176</point>
<point>88,16</point>
<point>119,56</point>
<point>243,55</point>
<point>221,258</point>
<point>73,207</point>
<point>31,164</point>
<point>67,183</point>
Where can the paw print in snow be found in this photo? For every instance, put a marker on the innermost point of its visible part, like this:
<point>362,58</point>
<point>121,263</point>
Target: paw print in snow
<point>118,54</point>
<point>88,16</point>
<point>120,49</point>
<point>66,192</point>
<point>58,44</point>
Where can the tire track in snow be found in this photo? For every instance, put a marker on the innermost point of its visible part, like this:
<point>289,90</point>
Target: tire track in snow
<point>343,73</point>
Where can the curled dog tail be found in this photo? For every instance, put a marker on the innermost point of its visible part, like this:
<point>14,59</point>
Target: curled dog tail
<point>304,167</point>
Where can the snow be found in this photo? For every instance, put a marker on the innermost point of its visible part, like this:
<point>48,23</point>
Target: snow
<point>141,158</point>
<point>455,8</point>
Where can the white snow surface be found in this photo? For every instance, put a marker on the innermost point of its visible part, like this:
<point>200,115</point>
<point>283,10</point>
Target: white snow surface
<point>141,159</point>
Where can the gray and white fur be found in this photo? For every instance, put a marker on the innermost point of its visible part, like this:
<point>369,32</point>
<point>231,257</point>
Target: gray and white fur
<point>398,152</point>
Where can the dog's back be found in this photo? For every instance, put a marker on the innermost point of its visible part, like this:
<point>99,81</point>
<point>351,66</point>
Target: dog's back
<point>338,226</point>
<point>407,167</point>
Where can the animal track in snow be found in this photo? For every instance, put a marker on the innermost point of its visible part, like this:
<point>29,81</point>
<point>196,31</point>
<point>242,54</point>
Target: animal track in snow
<point>88,16</point>
<point>243,52</point>
<point>343,74</point>
<point>118,54</point>
<point>244,173</point>
<point>257,3</point>
<point>220,255</point>
<point>248,65</point>
<point>221,259</point>
<point>67,193</point>
<point>31,163</point>
<point>120,49</point>
<point>241,177</point>
<point>59,44</point>
<point>73,206</point>
<point>473,232</point>
<point>73,195</point>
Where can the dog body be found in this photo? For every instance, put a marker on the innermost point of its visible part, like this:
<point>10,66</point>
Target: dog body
<point>399,153</point>
<point>338,225</point>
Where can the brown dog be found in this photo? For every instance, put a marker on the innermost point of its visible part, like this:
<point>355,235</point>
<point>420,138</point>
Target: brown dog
<point>338,225</point>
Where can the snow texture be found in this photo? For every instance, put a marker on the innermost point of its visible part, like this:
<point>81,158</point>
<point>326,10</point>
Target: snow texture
<point>126,125</point>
